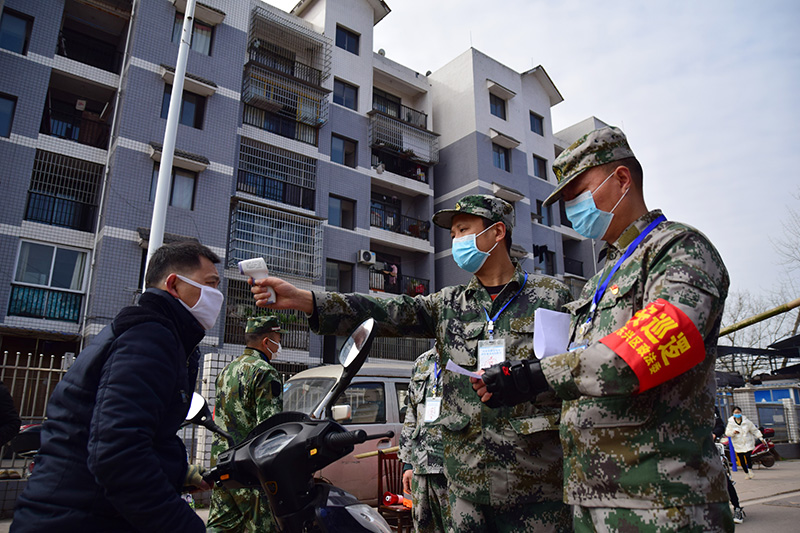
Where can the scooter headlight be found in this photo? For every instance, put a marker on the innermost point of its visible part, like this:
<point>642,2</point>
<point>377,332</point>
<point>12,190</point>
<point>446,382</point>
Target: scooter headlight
<point>369,518</point>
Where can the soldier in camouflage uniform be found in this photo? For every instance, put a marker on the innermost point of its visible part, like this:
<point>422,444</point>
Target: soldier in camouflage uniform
<point>503,466</point>
<point>421,448</point>
<point>638,383</point>
<point>248,392</point>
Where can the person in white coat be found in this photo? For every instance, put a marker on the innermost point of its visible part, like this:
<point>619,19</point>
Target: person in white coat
<point>743,434</point>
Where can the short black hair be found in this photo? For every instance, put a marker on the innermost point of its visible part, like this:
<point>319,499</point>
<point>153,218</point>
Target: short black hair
<point>633,165</point>
<point>735,407</point>
<point>487,223</point>
<point>179,257</point>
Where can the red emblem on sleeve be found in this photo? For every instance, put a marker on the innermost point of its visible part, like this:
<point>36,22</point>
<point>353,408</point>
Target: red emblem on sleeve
<point>659,343</point>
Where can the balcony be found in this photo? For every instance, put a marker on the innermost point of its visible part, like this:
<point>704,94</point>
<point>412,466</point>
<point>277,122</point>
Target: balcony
<point>63,212</point>
<point>276,190</point>
<point>85,49</point>
<point>400,112</point>
<point>37,302</point>
<point>573,266</point>
<point>81,127</point>
<point>261,54</point>
<point>94,32</point>
<point>389,218</point>
<point>409,285</point>
<point>402,139</point>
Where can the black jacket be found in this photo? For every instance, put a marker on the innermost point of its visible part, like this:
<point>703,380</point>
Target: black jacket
<point>110,459</point>
<point>9,419</point>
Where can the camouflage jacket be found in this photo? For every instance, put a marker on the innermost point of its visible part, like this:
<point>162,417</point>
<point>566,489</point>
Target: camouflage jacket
<point>421,442</point>
<point>248,392</point>
<point>509,455</point>
<point>654,449</point>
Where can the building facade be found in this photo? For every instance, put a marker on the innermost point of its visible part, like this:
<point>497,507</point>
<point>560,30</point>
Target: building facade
<point>296,142</point>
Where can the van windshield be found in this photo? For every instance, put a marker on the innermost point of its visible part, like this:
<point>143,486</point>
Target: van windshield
<point>304,395</point>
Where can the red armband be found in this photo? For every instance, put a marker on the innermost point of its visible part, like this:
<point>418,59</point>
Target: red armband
<point>659,343</point>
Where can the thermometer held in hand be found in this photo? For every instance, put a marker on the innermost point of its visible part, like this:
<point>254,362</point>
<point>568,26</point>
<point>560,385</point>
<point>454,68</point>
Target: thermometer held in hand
<point>257,269</point>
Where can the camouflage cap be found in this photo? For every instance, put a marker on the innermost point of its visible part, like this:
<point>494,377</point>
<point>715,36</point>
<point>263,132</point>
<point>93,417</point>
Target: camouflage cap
<point>263,324</point>
<point>596,148</point>
<point>487,206</point>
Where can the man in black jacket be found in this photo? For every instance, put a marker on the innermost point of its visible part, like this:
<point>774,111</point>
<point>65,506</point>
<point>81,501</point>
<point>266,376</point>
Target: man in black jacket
<point>110,459</point>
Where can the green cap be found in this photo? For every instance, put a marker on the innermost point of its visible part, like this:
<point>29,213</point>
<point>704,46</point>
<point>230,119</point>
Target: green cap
<point>487,206</point>
<point>263,324</point>
<point>596,148</point>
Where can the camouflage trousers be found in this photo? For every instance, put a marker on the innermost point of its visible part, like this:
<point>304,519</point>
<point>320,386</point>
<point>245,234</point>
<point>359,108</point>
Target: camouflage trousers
<point>431,509</point>
<point>545,517</point>
<point>239,511</point>
<point>712,517</point>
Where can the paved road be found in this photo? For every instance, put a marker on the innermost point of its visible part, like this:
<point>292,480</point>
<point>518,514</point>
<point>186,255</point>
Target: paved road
<point>771,500</point>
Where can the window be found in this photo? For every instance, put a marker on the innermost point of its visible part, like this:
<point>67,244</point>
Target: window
<point>500,157</point>
<point>368,402</point>
<point>193,107</point>
<point>338,276</point>
<point>497,106</point>
<point>385,102</point>
<point>539,167</point>
<point>48,282</point>
<point>7,106</point>
<point>345,94</point>
<point>562,212</point>
<point>202,34</point>
<point>550,263</point>
<point>343,151</point>
<point>545,216</point>
<point>341,212</point>
<point>347,40</point>
<point>537,124</point>
<point>15,31</point>
<point>50,266</point>
<point>183,185</point>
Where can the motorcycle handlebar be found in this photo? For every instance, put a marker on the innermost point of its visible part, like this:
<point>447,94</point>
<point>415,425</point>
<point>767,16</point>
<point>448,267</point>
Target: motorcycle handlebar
<point>340,441</point>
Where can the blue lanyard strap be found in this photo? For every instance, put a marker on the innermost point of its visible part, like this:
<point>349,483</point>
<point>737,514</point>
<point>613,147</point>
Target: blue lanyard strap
<point>603,283</point>
<point>492,320</point>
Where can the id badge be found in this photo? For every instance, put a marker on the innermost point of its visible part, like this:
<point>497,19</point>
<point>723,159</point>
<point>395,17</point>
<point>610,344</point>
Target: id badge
<point>491,353</point>
<point>432,407</point>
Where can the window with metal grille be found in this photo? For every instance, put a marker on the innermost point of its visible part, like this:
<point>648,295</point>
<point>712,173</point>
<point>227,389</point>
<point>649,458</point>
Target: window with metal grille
<point>291,244</point>
<point>239,306</point>
<point>277,174</point>
<point>63,191</point>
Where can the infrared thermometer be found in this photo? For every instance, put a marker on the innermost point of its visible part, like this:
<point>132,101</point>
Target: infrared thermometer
<point>257,269</point>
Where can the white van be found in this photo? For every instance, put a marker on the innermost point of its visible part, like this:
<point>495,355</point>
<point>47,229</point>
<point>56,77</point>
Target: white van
<point>377,397</point>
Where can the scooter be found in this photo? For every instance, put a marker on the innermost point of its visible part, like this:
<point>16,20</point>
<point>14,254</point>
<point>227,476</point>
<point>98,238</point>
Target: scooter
<point>281,455</point>
<point>764,452</point>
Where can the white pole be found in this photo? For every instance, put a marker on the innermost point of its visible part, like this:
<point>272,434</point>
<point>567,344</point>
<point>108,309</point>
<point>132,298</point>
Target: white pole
<point>171,131</point>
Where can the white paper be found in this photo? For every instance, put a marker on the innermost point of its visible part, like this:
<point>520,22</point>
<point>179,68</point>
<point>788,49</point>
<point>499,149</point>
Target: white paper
<point>451,366</point>
<point>550,332</point>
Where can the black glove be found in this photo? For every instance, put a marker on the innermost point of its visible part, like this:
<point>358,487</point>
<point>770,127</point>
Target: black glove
<point>514,382</point>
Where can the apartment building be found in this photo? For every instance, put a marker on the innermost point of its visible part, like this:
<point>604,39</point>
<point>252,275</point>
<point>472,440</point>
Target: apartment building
<point>296,142</point>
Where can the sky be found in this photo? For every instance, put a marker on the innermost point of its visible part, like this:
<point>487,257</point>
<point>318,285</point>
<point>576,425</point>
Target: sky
<point>708,94</point>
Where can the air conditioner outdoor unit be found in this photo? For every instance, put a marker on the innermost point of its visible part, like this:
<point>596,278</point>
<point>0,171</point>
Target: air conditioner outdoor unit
<point>366,257</point>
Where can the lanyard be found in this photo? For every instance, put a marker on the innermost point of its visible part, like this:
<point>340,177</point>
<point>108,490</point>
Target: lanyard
<point>602,284</point>
<point>492,320</point>
<point>436,373</point>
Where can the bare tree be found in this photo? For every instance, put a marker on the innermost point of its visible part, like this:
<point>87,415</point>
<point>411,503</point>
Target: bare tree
<point>788,246</point>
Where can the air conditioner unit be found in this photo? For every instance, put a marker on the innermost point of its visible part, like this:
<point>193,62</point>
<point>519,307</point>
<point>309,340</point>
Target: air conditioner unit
<point>366,257</point>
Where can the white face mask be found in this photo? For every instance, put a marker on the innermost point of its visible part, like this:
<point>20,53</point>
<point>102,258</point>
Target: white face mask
<point>207,308</point>
<point>277,352</point>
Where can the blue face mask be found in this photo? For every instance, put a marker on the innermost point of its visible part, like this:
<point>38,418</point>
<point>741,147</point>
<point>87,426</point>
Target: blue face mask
<point>586,218</point>
<point>466,253</point>
<point>737,416</point>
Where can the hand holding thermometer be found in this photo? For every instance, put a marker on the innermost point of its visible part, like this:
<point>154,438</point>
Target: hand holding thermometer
<point>257,269</point>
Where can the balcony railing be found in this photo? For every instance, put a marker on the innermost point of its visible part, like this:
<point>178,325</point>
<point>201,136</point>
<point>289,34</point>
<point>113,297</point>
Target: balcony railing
<point>391,220</point>
<point>276,190</point>
<point>81,47</point>
<point>76,128</point>
<point>60,212</point>
<point>285,65</point>
<point>400,112</point>
<point>410,285</point>
<point>38,302</point>
<point>400,166</point>
<point>573,266</point>
<point>396,136</point>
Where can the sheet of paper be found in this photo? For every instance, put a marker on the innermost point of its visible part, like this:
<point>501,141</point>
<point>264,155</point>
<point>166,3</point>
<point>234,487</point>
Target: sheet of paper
<point>451,366</point>
<point>550,332</point>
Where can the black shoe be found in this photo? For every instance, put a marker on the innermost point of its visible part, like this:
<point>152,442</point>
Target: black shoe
<point>738,515</point>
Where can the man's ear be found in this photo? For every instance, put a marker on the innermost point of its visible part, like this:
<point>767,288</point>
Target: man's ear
<point>500,231</point>
<point>623,177</point>
<point>169,284</point>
